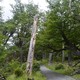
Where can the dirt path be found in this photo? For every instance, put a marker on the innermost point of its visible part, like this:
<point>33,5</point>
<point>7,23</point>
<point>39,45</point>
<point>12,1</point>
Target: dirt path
<point>50,75</point>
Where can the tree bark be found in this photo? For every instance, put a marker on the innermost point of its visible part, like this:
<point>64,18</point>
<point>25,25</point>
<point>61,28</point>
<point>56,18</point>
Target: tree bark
<point>63,55</point>
<point>44,56</point>
<point>69,59</point>
<point>50,58</point>
<point>31,48</point>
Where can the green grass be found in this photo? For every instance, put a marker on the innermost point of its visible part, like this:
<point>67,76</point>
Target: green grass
<point>13,77</point>
<point>77,76</point>
<point>37,76</point>
<point>19,71</point>
<point>67,70</point>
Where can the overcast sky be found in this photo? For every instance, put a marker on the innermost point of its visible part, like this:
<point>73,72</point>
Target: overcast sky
<point>6,6</point>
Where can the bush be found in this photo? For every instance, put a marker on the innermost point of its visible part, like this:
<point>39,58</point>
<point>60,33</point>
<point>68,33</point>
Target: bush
<point>23,67</point>
<point>69,70</point>
<point>36,66</point>
<point>59,66</point>
<point>18,72</point>
<point>44,62</point>
<point>6,71</point>
<point>14,64</point>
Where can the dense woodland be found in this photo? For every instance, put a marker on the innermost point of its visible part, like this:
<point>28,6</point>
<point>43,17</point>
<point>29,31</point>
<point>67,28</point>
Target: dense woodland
<point>57,37</point>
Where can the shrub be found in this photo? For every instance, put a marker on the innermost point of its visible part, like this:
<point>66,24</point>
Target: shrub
<point>14,64</point>
<point>69,70</point>
<point>59,66</point>
<point>18,72</point>
<point>44,62</point>
<point>6,71</point>
<point>23,67</point>
<point>36,66</point>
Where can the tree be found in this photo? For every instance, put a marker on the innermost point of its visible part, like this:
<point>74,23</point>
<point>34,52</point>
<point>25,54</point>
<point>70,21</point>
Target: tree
<point>2,37</point>
<point>61,27</point>
<point>1,14</point>
<point>32,47</point>
<point>64,22</point>
<point>17,31</point>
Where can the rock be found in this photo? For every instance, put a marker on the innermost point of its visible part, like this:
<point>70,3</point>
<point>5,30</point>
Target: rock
<point>2,77</point>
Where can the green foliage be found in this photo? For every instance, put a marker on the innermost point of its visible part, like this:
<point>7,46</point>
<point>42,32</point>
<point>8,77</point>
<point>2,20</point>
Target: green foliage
<point>9,68</point>
<point>59,66</point>
<point>18,72</point>
<point>61,26</point>
<point>23,66</point>
<point>3,55</point>
<point>77,76</point>
<point>60,19</point>
<point>69,70</point>
<point>37,76</point>
<point>44,61</point>
<point>15,33</point>
<point>36,66</point>
<point>14,64</point>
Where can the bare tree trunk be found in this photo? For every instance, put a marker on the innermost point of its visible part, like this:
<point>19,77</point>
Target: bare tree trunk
<point>69,59</point>
<point>70,1</point>
<point>44,56</point>
<point>21,55</point>
<point>63,55</point>
<point>31,48</point>
<point>50,58</point>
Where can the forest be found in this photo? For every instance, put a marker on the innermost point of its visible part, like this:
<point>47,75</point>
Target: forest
<point>57,42</point>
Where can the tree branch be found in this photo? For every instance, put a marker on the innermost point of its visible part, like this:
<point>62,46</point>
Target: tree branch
<point>68,42</point>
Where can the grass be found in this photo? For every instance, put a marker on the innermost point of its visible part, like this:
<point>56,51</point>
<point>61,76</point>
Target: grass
<point>77,76</point>
<point>37,76</point>
<point>19,72</point>
<point>67,70</point>
<point>13,77</point>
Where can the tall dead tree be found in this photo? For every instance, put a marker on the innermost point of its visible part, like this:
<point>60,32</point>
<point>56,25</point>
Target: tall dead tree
<point>31,48</point>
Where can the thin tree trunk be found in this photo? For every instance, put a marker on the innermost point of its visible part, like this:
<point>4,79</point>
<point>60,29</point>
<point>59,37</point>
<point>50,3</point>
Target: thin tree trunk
<point>44,56</point>
<point>21,55</point>
<point>50,58</point>
<point>31,48</point>
<point>69,59</point>
<point>63,54</point>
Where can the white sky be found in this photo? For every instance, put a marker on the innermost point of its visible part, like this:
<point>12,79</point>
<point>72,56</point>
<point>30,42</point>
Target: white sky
<point>6,6</point>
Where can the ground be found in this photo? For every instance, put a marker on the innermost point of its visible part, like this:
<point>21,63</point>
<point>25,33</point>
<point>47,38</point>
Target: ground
<point>50,75</point>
